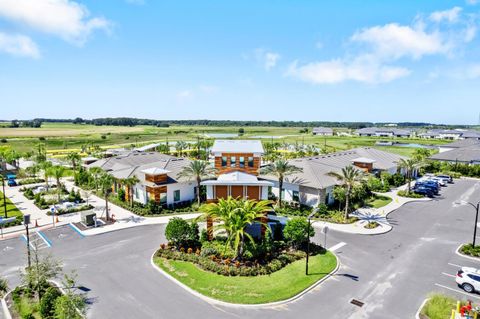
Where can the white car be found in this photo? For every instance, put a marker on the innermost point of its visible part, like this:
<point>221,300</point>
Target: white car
<point>469,279</point>
<point>440,181</point>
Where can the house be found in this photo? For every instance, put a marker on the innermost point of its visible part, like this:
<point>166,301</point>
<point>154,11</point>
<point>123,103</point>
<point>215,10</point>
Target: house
<point>157,174</point>
<point>323,131</point>
<point>237,163</point>
<point>458,144</point>
<point>451,134</point>
<point>314,185</point>
<point>383,132</point>
<point>465,151</point>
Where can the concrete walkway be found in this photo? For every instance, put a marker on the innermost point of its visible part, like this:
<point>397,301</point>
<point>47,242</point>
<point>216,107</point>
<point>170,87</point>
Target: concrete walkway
<point>366,215</point>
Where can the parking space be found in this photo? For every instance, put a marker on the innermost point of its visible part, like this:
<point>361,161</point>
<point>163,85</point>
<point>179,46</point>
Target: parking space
<point>446,283</point>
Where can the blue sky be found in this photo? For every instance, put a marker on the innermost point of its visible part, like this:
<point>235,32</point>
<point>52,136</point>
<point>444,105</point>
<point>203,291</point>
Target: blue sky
<point>246,60</point>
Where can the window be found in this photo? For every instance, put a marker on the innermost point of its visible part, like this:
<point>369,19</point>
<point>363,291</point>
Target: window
<point>241,161</point>
<point>224,161</point>
<point>135,192</point>
<point>176,195</point>
<point>250,161</point>
<point>233,161</point>
<point>295,196</point>
<point>163,198</point>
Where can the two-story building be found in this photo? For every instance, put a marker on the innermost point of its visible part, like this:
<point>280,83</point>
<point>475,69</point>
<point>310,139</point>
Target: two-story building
<point>237,163</point>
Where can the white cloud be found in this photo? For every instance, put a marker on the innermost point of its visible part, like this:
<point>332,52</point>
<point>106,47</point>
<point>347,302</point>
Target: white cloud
<point>267,58</point>
<point>393,41</point>
<point>209,89</point>
<point>362,69</point>
<point>470,33</point>
<point>18,45</point>
<point>450,16</point>
<point>473,71</point>
<point>472,2</point>
<point>64,18</point>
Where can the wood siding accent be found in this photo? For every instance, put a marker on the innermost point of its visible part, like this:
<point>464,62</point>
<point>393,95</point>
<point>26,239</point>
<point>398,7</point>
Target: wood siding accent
<point>254,192</point>
<point>237,191</point>
<point>157,179</point>
<point>221,191</point>
<point>154,192</point>
<point>365,166</point>
<point>227,169</point>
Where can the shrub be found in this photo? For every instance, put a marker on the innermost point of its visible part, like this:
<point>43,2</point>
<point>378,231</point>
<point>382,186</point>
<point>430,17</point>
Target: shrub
<point>377,185</point>
<point>409,195</point>
<point>469,250</point>
<point>296,231</point>
<point>439,306</point>
<point>121,194</point>
<point>47,303</point>
<point>180,233</point>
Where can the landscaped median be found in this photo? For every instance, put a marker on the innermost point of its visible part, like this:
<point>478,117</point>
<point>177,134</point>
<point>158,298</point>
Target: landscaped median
<point>278,286</point>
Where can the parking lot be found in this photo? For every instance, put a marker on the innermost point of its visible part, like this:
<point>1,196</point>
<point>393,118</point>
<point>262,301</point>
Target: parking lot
<point>391,273</point>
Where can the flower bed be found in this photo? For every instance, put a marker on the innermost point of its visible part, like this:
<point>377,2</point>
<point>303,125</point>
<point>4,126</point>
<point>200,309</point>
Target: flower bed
<point>371,225</point>
<point>28,181</point>
<point>73,209</point>
<point>409,195</point>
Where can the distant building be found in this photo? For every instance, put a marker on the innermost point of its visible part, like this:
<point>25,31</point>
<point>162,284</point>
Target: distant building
<point>383,132</point>
<point>451,134</point>
<point>323,131</point>
<point>466,151</point>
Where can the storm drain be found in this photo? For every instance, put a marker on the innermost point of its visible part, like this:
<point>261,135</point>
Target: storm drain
<point>356,302</point>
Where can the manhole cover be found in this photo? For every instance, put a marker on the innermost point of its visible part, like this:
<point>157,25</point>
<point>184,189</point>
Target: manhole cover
<point>356,302</point>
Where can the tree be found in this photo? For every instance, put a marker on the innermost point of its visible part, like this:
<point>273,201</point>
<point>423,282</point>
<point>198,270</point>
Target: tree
<point>45,166</point>
<point>421,154</point>
<point>410,166</point>
<point>74,159</point>
<point>96,174</point>
<point>234,216</point>
<point>349,177</point>
<point>280,168</point>
<point>47,303</point>
<point>41,271</point>
<point>180,233</point>
<point>106,181</point>
<point>130,183</point>
<point>197,170</point>
<point>57,172</point>
<point>180,146</point>
<point>296,230</point>
<point>70,305</point>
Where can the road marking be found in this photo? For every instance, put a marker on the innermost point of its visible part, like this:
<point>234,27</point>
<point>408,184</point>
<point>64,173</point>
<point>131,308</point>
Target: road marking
<point>449,275</point>
<point>45,239</point>
<point>454,265</point>
<point>75,228</point>
<point>337,246</point>
<point>459,291</point>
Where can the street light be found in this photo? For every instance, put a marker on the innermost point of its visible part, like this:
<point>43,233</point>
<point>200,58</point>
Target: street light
<point>4,199</point>
<point>26,221</point>
<point>476,207</point>
<point>308,237</point>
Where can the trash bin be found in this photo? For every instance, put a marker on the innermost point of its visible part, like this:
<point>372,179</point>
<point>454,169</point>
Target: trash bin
<point>88,217</point>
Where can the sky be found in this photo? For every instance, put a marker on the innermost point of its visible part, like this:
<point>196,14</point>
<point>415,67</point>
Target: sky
<point>305,60</point>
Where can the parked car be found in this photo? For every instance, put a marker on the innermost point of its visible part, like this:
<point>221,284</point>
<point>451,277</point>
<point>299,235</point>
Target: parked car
<point>446,178</point>
<point>469,279</point>
<point>433,186</point>
<point>12,182</point>
<point>422,190</point>
<point>440,181</point>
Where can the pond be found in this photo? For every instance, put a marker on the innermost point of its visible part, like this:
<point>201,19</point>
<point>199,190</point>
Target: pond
<point>221,135</point>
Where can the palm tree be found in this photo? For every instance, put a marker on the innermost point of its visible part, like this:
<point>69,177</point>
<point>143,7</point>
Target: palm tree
<point>180,146</point>
<point>349,177</point>
<point>197,169</point>
<point>410,166</point>
<point>45,166</point>
<point>280,168</point>
<point>57,172</point>
<point>106,181</point>
<point>74,158</point>
<point>130,182</point>
<point>234,216</point>
<point>96,174</point>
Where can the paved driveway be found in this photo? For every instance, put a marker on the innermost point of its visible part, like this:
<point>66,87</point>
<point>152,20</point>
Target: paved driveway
<point>390,273</point>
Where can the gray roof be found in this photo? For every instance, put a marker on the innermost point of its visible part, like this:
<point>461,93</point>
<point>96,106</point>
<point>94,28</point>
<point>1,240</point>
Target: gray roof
<point>464,155</point>
<point>373,130</point>
<point>316,169</point>
<point>237,146</point>
<point>135,163</point>
<point>324,130</point>
<point>462,133</point>
<point>462,143</point>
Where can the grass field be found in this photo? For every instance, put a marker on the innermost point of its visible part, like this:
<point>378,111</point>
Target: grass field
<point>65,137</point>
<point>12,210</point>
<point>378,201</point>
<point>280,285</point>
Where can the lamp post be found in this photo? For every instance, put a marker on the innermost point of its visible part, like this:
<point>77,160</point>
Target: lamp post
<point>26,221</point>
<point>476,207</point>
<point>4,198</point>
<point>308,237</point>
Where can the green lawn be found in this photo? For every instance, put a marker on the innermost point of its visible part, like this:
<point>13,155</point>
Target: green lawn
<point>12,210</point>
<point>378,201</point>
<point>280,285</point>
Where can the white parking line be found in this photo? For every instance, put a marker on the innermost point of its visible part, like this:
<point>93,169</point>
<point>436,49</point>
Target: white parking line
<point>454,265</point>
<point>459,291</point>
<point>337,246</point>
<point>449,275</point>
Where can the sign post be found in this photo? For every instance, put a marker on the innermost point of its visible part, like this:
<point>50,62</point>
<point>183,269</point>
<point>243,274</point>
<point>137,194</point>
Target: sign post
<point>53,214</point>
<point>325,231</point>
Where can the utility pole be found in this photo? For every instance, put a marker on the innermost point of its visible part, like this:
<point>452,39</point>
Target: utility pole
<point>4,198</point>
<point>26,221</point>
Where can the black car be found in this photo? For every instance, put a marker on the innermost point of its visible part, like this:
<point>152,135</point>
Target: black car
<point>424,191</point>
<point>429,184</point>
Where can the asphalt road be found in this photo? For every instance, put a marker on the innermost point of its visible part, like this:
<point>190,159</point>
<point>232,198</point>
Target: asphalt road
<point>391,274</point>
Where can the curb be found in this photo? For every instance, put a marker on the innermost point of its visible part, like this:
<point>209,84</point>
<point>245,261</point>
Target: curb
<point>457,251</point>
<point>417,314</point>
<point>6,312</point>
<point>251,306</point>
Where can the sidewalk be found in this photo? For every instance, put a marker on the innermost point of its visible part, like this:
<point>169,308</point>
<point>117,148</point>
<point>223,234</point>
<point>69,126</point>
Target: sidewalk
<point>366,215</point>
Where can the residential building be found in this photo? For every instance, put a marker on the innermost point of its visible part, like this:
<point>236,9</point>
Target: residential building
<point>451,134</point>
<point>458,144</point>
<point>465,151</point>
<point>157,174</point>
<point>383,132</point>
<point>323,131</point>
<point>314,185</point>
<point>237,163</point>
